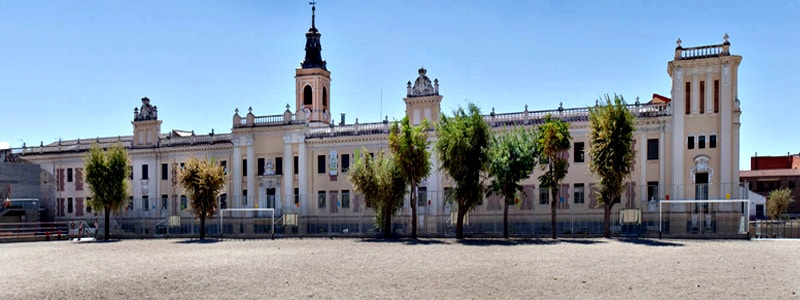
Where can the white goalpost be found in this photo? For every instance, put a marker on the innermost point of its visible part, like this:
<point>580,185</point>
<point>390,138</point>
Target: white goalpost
<point>270,210</point>
<point>705,216</point>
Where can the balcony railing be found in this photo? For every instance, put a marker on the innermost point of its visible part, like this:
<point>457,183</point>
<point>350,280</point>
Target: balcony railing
<point>569,115</point>
<point>702,51</point>
<point>348,130</point>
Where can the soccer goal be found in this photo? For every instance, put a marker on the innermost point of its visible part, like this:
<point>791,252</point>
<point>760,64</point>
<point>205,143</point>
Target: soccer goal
<point>271,212</point>
<point>709,217</point>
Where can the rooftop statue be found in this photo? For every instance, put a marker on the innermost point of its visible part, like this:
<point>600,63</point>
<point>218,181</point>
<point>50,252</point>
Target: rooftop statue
<point>423,86</point>
<point>147,112</point>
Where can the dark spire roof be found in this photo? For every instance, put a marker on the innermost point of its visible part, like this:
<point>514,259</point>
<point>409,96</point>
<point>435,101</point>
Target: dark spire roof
<point>313,47</point>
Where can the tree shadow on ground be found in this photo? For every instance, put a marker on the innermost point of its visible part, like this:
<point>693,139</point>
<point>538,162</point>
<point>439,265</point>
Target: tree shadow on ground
<point>650,242</point>
<point>406,241</point>
<point>198,241</point>
<point>519,242</point>
<point>111,241</point>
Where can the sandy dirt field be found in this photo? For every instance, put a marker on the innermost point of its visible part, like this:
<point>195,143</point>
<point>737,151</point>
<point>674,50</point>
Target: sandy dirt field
<point>401,269</point>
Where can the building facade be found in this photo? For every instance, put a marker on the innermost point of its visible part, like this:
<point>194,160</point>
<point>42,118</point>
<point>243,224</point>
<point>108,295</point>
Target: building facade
<point>687,147</point>
<point>769,173</point>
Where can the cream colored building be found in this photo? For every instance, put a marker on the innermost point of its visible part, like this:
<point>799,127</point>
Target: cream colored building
<point>687,147</point>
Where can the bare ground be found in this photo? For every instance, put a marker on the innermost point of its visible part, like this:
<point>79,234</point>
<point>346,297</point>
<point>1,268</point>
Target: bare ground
<point>395,269</point>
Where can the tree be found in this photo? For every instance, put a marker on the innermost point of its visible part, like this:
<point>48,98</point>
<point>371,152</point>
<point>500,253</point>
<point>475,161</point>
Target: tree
<point>778,201</point>
<point>611,128</point>
<point>382,184</point>
<point>408,145</point>
<point>462,148</point>
<point>107,174</point>
<point>202,180</point>
<point>553,142</point>
<point>512,157</point>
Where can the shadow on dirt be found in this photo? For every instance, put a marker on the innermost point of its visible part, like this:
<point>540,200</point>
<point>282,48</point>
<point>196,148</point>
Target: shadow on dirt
<point>649,242</point>
<point>198,241</point>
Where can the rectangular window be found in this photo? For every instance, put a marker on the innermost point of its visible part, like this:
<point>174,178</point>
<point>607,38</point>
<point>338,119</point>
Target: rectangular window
<point>712,141</point>
<point>296,165</point>
<point>183,166</point>
<point>422,196</point>
<point>580,195</point>
<point>130,175</point>
<point>129,206</point>
<point>261,166</point>
<point>145,203</point>
<point>278,166</point>
<point>296,197</point>
<point>701,142</point>
<point>652,190</point>
<point>791,184</point>
<point>164,171</point>
<point>690,142</point>
<point>578,148</point>
<point>345,198</point>
<point>320,164</point>
<point>544,196</point>
<point>88,206</point>
<point>164,202</point>
<point>702,96</point>
<point>688,97</point>
<point>244,167</point>
<point>69,175</point>
<point>321,199</point>
<point>345,162</point>
<point>69,204</point>
<point>184,202</point>
<point>224,165</point>
<point>144,172</point>
<point>244,198</point>
<point>716,96</point>
<point>223,201</point>
<point>652,149</point>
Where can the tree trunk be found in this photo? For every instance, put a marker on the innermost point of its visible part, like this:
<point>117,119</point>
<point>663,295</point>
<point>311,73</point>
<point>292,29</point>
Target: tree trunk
<point>553,213</point>
<point>107,225</point>
<point>387,223</point>
<point>202,226</point>
<point>607,219</point>
<point>505,219</point>
<point>460,222</point>
<point>413,200</point>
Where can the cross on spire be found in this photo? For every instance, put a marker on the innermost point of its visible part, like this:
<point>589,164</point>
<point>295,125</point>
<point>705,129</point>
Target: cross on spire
<point>313,8</point>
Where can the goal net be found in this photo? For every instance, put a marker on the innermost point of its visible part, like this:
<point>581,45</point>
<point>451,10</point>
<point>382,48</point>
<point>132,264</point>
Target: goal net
<point>244,223</point>
<point>707,217</point>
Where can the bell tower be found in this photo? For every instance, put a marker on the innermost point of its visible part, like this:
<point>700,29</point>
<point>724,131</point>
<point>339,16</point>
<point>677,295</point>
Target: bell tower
<point>422,99</point>
<point>313,80</point>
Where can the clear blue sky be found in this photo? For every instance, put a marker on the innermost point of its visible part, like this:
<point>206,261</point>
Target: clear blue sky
<point>76,69</point>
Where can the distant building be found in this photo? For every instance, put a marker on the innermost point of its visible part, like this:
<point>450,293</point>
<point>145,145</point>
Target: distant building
<point>297,161</point>
<point>770,173</point>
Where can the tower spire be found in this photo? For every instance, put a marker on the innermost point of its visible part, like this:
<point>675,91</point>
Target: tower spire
<point>313,57</point>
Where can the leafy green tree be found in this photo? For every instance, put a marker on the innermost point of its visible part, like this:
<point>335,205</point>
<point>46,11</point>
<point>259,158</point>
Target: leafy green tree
<point>778,201</point>
<point>408,145</point>
<point>202,180</point>
<point>382,184</point>
<point>553,142</point>
<point>463,150</point>
<point>512,157</point>
<point>107,174</point>
<point>611,128</point>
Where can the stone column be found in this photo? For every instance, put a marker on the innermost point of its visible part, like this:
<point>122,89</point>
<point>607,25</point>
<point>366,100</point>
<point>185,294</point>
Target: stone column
<point>251,172</point>
<point>709,93</point>
<point>695,93</point>
<point>724,139</point>
<point>662,161</point>
<point>302,175</point>
<point>288,175</point>
<point>643,162</point>
<point>236,161</point>
<point>678,135</point>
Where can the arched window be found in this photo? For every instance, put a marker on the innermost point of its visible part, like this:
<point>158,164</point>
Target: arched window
<point>307,95</point>
<point>324,97</point>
